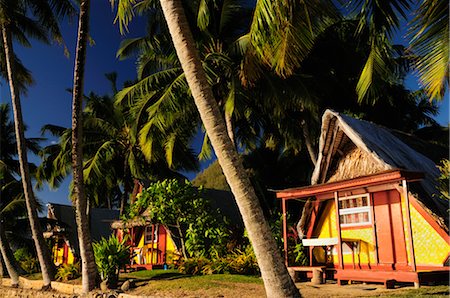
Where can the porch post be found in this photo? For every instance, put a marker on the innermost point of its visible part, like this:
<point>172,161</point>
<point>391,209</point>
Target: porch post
<point>374,232</point>
<point>283,206</point>
<point>152,243</point>
<point>338,227</point>
<point>409,226</point>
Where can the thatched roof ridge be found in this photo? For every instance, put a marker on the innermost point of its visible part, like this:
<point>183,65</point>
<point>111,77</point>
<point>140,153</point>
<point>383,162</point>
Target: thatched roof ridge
<point>378,142</point>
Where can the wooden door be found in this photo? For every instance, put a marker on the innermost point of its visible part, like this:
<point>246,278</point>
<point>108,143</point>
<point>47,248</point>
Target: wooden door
<point>390,234</point>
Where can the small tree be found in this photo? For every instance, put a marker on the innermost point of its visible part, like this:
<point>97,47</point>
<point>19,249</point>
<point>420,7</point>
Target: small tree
<point>180,205</point>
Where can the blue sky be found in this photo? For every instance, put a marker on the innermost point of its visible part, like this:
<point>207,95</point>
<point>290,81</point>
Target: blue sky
<point>48,102</point>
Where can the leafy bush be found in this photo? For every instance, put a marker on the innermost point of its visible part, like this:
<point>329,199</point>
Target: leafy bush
<point>237,262</point>
<point>111,255</point>
<point>26,260</point>
<point>193,266</point>
<point>68,272</point>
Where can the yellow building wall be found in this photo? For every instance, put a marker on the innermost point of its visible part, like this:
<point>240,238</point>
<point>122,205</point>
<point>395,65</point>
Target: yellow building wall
<point>171,251</point>
<point>326,228</point>
<point>429,247</point>
<point>58,254</point>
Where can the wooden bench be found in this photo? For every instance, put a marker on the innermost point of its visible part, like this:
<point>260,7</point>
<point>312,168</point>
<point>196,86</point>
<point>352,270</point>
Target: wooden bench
<point>315,271</point>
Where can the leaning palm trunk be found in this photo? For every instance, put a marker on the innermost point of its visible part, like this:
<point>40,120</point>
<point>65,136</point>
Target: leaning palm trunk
<point>88,268</point>
<point>8,258</point>
<point>43,252</point>
<point>277,281</point>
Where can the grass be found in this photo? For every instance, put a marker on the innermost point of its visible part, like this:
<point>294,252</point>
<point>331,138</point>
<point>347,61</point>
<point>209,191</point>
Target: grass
<point>172,279</point>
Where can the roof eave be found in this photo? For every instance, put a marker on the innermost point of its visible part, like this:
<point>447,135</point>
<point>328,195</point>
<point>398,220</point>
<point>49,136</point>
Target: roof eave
<point>386,177</point>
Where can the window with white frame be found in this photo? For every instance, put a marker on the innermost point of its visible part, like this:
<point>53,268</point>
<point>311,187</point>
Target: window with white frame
<point>148,234</point>
<point>355,210</point>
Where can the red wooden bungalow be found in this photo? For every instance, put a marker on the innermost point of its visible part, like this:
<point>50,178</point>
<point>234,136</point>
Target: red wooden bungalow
<point>390,224</point>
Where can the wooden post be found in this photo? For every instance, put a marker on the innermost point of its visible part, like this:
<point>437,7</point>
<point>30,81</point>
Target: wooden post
<point>283,206</point>
<point>152,244</point>
<point>409,226</point>
<point>374,232</point>
<point>338,226</point>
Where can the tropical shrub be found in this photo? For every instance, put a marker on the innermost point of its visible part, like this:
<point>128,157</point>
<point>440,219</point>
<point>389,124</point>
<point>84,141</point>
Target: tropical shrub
<point>193,266</point>
<point>68,272</point>
<point>110,256</point>
<point>28,262</point>
<point>180,205</point>
<point>237,262</point>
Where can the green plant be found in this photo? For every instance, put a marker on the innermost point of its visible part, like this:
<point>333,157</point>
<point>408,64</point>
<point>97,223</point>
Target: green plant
<point>236,262</point>
<point>443,179</point>
<point>300,254</point>
<point>111,255</point>
<point>68,272</point>
<point>26,260</point>
<point>193,266</point>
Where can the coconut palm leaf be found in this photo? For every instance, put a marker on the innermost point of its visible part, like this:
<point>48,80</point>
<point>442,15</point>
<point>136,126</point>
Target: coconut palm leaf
<point>430,31</point>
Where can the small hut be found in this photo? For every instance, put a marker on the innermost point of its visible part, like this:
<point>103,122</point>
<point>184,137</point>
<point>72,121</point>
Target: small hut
<point>61,230</point>
<point>373,212</point>
<point>152,244</point>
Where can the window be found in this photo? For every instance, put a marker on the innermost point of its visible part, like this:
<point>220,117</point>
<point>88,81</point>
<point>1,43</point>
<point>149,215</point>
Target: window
<point>354,210</point>
<point>148,234</point>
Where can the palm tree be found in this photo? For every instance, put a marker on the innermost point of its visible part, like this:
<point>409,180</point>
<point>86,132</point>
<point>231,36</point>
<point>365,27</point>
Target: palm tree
<point>88,267</point>
<point>112,156</point>
<point>430,31</point>
<point>276,278</point>
<point>15,21</point>
<point>11,202</point>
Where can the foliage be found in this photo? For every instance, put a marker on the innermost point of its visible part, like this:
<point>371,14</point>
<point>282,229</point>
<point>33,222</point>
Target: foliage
<point>193,266</point>
<point>236,262</point>
<point>68,272</point>
<point>111,255</point>
<point>26,260</point>
<point>443,179</point>
<point>300,254</point>
<point>180,206</point>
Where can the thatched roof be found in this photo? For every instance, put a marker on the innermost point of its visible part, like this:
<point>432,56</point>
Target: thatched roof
<point>343,136</point>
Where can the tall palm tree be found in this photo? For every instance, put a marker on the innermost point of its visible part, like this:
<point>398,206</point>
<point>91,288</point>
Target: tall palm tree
<point>15,21</point>
<point>276,278</point>
<point>11,196</point>
<point>88,267</point>
<point>112,156</point>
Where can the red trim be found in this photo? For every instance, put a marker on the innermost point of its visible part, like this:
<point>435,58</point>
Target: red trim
<point>429,219</point>
<point>283,205</point>
<point>365,181</point>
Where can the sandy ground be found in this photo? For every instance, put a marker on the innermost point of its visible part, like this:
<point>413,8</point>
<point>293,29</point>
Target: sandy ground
<point>245,290</point>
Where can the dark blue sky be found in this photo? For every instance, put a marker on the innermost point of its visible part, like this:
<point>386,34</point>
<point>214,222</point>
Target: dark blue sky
<point>48,102</point>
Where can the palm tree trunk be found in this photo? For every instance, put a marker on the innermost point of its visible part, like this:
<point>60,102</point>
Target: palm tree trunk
<point>88,267</point>
<point>230,131</point>
<point>43,252</point>
<point>8,258</point>
<point>277,281</point>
